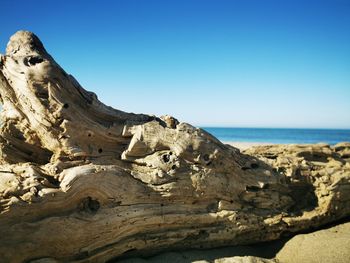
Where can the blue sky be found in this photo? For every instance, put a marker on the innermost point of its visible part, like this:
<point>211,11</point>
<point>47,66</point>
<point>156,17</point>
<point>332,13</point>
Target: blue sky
<point>210,63</point>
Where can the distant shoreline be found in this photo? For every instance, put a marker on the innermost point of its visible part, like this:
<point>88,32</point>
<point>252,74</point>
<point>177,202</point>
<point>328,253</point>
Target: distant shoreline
<point>246,145</point>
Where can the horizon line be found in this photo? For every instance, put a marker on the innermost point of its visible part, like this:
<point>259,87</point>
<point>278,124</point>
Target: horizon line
<point>267,127</point>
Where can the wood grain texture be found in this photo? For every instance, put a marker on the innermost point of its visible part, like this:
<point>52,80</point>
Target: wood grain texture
<point>83,182</point>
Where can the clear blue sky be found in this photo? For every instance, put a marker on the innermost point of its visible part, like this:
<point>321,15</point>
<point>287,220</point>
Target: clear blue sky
<point>210,63</point>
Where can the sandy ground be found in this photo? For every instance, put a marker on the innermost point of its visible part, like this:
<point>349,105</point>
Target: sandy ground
<point>328,245</point>
<point>246,145</point>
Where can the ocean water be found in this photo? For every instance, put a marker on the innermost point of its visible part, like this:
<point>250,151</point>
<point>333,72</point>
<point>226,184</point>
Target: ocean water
<point>272,135</point>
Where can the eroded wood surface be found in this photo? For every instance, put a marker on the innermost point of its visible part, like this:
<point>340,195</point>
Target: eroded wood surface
<point>81,181</point>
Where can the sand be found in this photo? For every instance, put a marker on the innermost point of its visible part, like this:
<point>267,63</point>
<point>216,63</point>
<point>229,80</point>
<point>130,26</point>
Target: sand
<point>245,145</point>
<point>328,245</point>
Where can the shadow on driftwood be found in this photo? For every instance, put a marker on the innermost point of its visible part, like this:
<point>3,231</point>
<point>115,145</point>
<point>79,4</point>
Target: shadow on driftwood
<point>264,250</point>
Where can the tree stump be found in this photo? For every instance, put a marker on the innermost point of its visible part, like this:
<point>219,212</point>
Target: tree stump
<point>83,182</point>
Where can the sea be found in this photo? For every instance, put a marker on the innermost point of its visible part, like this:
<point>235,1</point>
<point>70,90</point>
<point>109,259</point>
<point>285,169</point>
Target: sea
<point>280,135</point>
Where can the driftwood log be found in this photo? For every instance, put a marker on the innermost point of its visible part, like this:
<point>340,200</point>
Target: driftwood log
<point>81,181</point>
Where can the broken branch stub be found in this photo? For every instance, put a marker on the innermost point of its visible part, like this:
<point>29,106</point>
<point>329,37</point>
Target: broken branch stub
<point>81,181</point>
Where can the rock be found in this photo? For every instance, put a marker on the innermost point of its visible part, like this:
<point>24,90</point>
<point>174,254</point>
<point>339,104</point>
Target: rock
<point>81,181</point>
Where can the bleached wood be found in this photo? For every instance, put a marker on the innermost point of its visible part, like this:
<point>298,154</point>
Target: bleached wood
<point>81,181</point>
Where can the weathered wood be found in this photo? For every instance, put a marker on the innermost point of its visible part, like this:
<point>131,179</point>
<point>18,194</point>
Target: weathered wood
<point>81,181</point>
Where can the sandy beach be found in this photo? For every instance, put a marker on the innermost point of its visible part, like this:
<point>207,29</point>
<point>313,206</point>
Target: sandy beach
<point>245,145</point>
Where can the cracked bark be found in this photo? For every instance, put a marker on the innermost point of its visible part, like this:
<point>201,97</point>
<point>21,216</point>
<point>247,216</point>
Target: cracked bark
<point>81,181</point>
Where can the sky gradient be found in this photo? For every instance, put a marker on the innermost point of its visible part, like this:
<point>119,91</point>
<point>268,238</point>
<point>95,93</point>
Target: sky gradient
<point>210,63</point>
